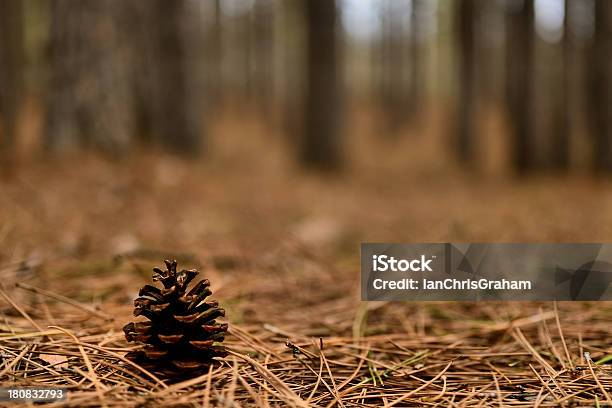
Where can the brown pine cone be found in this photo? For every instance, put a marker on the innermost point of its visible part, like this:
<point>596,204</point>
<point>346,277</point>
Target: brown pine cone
<point>181,337</point>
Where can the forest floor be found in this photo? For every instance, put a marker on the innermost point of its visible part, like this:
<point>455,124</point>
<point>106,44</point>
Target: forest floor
<point>79,236</point>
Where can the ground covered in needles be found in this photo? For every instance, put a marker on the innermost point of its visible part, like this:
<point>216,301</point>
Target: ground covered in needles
<point>281,251</point>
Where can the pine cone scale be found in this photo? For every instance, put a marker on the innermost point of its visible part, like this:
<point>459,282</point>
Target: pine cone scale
<point>202,344</point>
<point>170,339</point>
<point>214,329</point>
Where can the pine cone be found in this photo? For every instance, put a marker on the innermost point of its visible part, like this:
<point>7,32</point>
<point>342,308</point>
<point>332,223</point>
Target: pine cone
<point>181,334</point>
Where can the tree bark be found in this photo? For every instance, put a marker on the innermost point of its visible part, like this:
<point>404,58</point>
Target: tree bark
<point>519,83</point>
<point>393,50</point>
<point>262,26</point>
<point>321,145</point>
<point>563,112</point>
<point>89,101</point>
<point>415,90</point>
<point>120,68</point>
<point>467,103</point>
<point>178,104</point>
<point>601,87</point>
<point>11,78</point>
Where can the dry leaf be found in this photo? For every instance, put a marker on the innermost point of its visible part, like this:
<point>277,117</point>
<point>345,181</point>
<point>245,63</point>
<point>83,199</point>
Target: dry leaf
<point>55,360</point>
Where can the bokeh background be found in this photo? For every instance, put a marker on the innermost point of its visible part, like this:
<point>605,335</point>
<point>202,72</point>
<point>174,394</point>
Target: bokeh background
<point>233,128</point>
<point>505,84</point>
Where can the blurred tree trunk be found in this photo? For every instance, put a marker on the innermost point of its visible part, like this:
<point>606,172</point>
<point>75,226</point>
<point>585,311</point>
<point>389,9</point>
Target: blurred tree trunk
<point>178,86</point>
<point>214,55</point>
<point>320,142</point>
<point>262,25</point>
<point>600,88</point>
<point>245,41</point>
<point>519,81</point>
<point>89,101</point>
<point>291,38</point>
<point>113,78</point>
<point>393,67</point>
<point>144,69</point>
<point>466,120</point>
<point>11,78</point>
<point>561,104</point>
<point>415,90</point>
